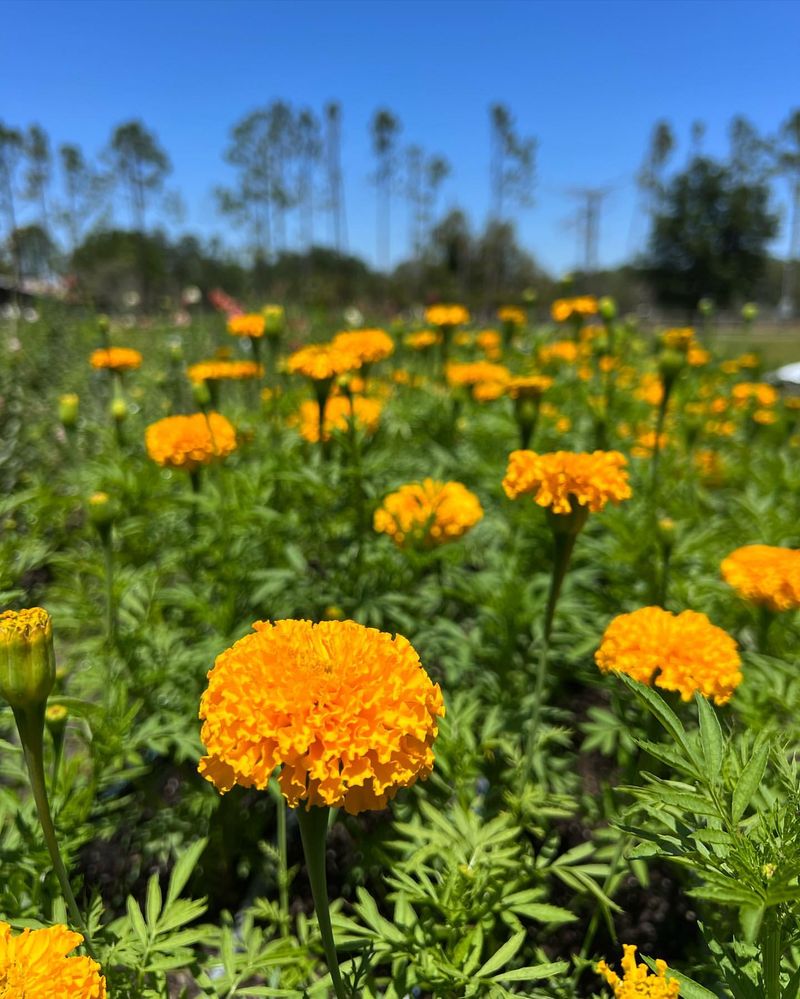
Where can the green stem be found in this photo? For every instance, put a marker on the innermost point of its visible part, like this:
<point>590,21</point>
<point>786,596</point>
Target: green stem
<point>765,617</point>
<point>771,948</point>
<point>283,867</point>
<point>313,832</point>
<point>30,725</point>
<point>111,613</point>
<point>662,415</point>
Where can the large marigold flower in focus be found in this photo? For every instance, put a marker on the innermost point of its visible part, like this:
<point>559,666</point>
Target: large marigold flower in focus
<point>764,574</point>
<point>188,442</point>
<point>369,346</point>
<point>322,362</point>
<point>35,965</point>
<point>115,359</point>
<point>428,513</point>
<point>562,478</point>
<point>347,714</point>
<point>683,652</point>
<point>637,982</point>
<point>338,412</point>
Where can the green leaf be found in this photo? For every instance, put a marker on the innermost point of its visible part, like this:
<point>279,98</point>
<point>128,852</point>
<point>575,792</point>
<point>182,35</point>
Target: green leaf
<point>664,713</point>
<point>749,781</point>
<point>711,739</point>
<point>534,972</point>
<point>153,902</point>
<point>137,919</point>
<point>182,870</point>
<point>501,957</point>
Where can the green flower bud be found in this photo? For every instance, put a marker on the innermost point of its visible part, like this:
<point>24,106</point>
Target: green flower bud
<point>530,296</point>
<point>201,394</point>
<point>119,409</point>
<point>705,307</point>
<point>749,312</point>
<point>607,308</point>
<point>68,409</point>
<point>102,510</point>
<point>103,324</point>
<point>55,718</point>
<point>670,364</point>
<point>27,658</point>
<point>666,531</point>
<point>274,319</point>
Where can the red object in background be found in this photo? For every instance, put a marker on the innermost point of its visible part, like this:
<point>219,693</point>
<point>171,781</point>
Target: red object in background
<point>224,303</point>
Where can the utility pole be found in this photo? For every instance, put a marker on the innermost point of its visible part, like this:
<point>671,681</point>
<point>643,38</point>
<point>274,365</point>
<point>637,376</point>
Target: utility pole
<point>588,220</point>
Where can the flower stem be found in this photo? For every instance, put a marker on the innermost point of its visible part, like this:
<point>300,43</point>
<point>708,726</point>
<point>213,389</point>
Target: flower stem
<point>30,725</point>
<point>313,832</point>
<point>283,867</point>
<point>111,612</point>
<point>771,948</point>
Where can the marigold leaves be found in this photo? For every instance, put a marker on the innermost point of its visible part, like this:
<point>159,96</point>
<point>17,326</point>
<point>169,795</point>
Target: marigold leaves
<point>711,739</point>
<point>749,781</point>
<point>182,870</point>
<point>689,988</point>
<point>667,754</point>
<point>534,972</point>
<point>524,903</point>
<point>501,957</point>
<point>136,920</point>
<point>664,714</point>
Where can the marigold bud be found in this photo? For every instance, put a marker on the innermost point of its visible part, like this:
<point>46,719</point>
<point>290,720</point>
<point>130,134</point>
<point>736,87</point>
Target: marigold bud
<point>102,510</point>
<point>68,409</point>
<point>201,393</point>
<point>55,718</point>
<point>27,658</point>
<point>705,307</point>
<point>103,323</point>
<point>670,364</point>
<point>607,308</point>
<point>749,312</point>
<point>119,409</point>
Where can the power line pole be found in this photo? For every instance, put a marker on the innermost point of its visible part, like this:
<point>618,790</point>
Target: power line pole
<point>588,220</point>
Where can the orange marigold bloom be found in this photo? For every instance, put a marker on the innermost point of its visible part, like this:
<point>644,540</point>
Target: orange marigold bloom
<point>529,387</point>
<point>710,467</point>
<point>252,324</point>
<point>208,371</point>
<point>681,338</point>
<point>475,372</point>
<point>190,441</point>
<point>637,982</point>
<point>557,479</point>
<point>446,315</point>
<point>429,513</point>
<point>698,356</point>
<point>565,308</point>
<point>758,393</point>
<point>369,346</point>
<point>650,390</point>
<point>366,413</point>
<point>683,652</point>
<point>423,339</point>
<point>347,713</point>
<point>764,574</point>
<point>321,362</point>
<point>116,359</point>
<point>512,314</point>
<point>489,342</point>
<point>646,443</point>
<point>562,350</point>
<point>36,964</point>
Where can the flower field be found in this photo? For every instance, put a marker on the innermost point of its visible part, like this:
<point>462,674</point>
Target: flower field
<point>453,657</point>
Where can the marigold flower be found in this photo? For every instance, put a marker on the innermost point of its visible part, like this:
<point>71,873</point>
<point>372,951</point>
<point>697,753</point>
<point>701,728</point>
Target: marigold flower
<point>683,652</point>
<point>211,371</point>
<point>27,658</point>
<point>115,359</point>
<point>347,713</point>
<point>427,514</point>
<point>188,442</point>
<point>697,357</point>
<point>558,479</point>
<point>680,338</point>
<point>646,443</point>
<point>489,342</point>
<point>369,346</point>
<point>423,339</point>
<point>528,387</point>
<point>650,389</point>
<point>764,574</point>
<point>566,308</point>
<point>512,315</point>
<point>637,982</point>
<point>35,964</point>
<point>446,315</point>
<point>321,362</point>
<point>758,393</point>
<point>250,324</point>
<point>476,372</point>
<point>338,413</point>
<point>710,467</point>
<point>566,351</point>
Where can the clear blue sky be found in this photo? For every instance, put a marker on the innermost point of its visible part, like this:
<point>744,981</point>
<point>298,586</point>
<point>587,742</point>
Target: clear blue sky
<point>588,79</point>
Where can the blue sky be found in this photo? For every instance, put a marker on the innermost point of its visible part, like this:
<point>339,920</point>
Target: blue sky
<point>588,79</point>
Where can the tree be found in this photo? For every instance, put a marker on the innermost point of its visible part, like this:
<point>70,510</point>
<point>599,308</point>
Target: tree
<point>250,201</point>
<point>385,130</point>
<point>138,164</point>
<point>39,172</point>
<point>788,166</point>
<point>11,148</point>
<point>79,184</point>
<point>309,150</point>
<point>710,235</point>
<point>333,168</point>
<point>512,165</point>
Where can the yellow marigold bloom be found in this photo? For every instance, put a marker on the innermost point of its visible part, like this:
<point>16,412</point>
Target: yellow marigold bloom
<point>562,350</point>
<point>683,652</point>
<point>366,413</point>
<point>512,314</point>
<point>116,359</point>
<point>698,357</point>
<point>710,467</point>
<point>764,574</point>
<point>646,443</point>
<point>748,361</point>
<point>567,308</point>
<point>427,514</point>
<point>252,324</point>
<point>550,412</point>
<point>190,441</point>
<point>681,338</point>
<point>557,479</point>
<point>720,428</point>
<point>474,372</point>
<point>347,713</point>
<point>758,393</point>
<point>446,315</point>
<point>650,390</point>
<point>637,982</point>
<point>35,964</point>
<point>489,342</point>
<point>209,371</point>
<point>529,387</point>
<point>320,362</point>
<point>369,346</point>
<point>487,391</point>
<point>423,339</point>
<point>730,367</point>
<point>765,417</point>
